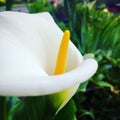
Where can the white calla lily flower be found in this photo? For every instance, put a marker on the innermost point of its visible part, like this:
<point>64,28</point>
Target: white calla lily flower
<point>29,45</point>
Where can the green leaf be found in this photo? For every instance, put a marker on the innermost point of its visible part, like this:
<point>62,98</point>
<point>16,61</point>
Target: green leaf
<point>68,112</point>
<point>83,87</point>
<point>31,108</point>
<point>35,108</point>
<point>103,83</point>
<point>87,113</point>
<point>58,100</point>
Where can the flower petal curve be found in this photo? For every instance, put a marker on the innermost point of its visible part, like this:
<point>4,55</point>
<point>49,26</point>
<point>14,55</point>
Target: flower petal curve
<point>43,85</point>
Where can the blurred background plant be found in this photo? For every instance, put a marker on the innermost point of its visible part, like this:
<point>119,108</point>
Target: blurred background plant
<point>94,29</point>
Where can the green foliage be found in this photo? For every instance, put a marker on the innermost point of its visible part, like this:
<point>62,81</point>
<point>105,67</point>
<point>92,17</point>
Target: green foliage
<point>34,108</point>
<point>83,87</point>
<point>96,31</point>
<point>9,4</point>
<point>68,112</point>
<point>38,6</point>
<point>31,108</point>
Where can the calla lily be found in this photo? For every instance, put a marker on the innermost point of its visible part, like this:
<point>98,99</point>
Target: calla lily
<point>29,45</point>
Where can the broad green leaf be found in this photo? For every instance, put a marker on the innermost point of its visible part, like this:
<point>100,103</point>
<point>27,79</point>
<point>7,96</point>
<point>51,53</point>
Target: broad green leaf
<point>68,112</point>
<point>31,108</point>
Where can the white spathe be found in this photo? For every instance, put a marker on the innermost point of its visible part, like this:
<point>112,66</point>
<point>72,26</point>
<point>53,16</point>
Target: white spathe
<point>29,44</point>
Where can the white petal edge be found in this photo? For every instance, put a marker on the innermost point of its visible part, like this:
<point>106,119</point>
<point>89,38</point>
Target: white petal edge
<point>43,85</point>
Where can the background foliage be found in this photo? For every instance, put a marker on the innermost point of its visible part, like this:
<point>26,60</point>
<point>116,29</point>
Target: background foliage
<point>93,31</point>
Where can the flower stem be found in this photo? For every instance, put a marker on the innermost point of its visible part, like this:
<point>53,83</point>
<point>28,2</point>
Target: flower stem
<point>3,109</point>
<point>9,4</point>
